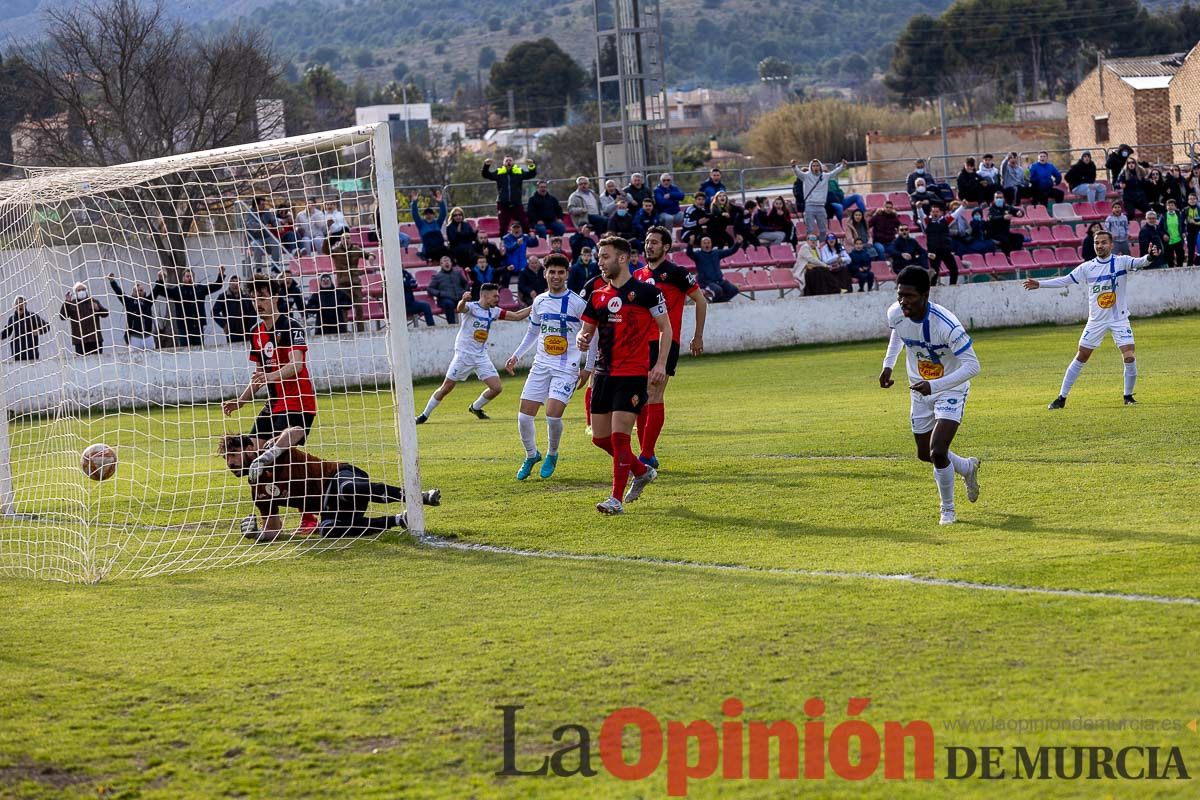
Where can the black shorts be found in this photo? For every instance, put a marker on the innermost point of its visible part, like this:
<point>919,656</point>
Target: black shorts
<point>268,425</point>
<point>672,357</point>
<point>618,393</point>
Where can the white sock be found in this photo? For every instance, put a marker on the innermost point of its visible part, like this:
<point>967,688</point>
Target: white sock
<point>961,465</point>
<point>945,484</point>
<point>554,426</point>
<point>528,434</point>
<point>431,405</point>
<point>1073,371</point>
<point>1130,376</point>
<point>480,401</point>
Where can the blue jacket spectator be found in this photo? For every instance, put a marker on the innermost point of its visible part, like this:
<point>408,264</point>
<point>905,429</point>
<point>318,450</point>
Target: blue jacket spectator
<point>516,249</point>
<point>582,271</point>
<point>429,225</point>
<point>860,266</point>
<point>708,271</point>
<point>581,239</point>
<point>412,305</point>
<point>713,184</point>
<point>1044,178</point>
<point>667,197</point>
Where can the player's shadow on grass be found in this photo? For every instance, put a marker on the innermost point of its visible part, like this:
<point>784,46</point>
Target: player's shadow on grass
<point>793,528</point>
<point>1023,523</point>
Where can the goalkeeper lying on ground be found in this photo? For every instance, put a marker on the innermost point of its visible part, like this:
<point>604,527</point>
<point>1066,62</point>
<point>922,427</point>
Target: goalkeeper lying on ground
<point>337,491</point>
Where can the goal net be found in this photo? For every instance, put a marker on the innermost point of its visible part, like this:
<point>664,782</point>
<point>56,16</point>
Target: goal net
<point>142,361</point>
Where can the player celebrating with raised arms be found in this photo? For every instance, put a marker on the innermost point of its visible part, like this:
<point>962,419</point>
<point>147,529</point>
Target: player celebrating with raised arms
<point>622,313</point>
<point>676,285</point>
<point>337,491</point>
<point>278,348</point>
<point>941,363</point>
<point>470,349</point>
<point>1105,277</point>
<point>554,322</point>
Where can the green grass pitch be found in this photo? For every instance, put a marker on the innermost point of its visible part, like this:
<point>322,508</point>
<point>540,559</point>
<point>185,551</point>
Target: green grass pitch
<point>375,671</point>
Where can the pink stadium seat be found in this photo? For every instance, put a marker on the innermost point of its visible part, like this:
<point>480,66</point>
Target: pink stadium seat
<point>759,280</point>
<point>1067,257</point>
<point>683,260</point>
<point>996,262</point>
<point>1045,259</point>
<point>737,278</point>
<point>410,230</point>
<point>900,200</point>
<point>374,285</point>
<point>759,257</point>
<point>1035,215</point>
<point>875,200</point>
<point>423,274</point>
<point>490,226</point>
<point>972,264</point>
<point>784,280</point>
<point>1021,260</point>
<point>507,301</point>
<point>1064,235</point>
<point>1135,228</point>
<point>311,265</point>
<point>782,255</point>
<point>376,310</point>
<point>1041,236</point>
<point>919,238</point>
<point>835,226</point>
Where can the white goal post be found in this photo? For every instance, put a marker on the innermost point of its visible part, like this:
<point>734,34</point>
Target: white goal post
<point>143,361</point>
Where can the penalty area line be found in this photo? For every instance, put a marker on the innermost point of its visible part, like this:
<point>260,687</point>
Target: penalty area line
<point>948,583</point>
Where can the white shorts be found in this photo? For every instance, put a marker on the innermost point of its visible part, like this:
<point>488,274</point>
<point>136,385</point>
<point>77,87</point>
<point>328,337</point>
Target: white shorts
<point>544,383</point>
<point>926,409</point>
<point>1093,334</point>
<point>465,363</point>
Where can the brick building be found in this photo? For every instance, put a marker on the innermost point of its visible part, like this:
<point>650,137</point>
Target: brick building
<point>1139,101</point>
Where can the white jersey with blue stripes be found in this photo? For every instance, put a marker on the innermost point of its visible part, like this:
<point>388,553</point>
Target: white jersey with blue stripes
<point>476,328</point>
<point>933,345</point>
<point>1105,281</point>
<point>557,319</point>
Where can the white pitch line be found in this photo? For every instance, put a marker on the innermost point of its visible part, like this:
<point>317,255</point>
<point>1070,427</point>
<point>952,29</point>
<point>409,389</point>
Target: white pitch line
<point>437,541</point>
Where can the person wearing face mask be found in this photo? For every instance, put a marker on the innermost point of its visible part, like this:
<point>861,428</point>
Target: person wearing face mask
<point>83,313</point>
<point>621,222</point>
<point>999,224</point>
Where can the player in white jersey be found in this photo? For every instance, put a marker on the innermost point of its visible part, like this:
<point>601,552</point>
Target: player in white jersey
<point>470,349</point>
<point>941,362</point>
<point>554,321</point>
<point>1105,278</point>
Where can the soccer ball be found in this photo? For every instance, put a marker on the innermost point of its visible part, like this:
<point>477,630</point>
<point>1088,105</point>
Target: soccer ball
<point>98,462</point>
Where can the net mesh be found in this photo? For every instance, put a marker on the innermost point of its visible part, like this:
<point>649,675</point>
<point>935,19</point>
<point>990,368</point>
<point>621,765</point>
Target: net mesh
<point>76,372</point>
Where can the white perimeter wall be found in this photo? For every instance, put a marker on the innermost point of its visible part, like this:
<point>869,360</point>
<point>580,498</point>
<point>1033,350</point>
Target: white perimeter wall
<point>120,379</point>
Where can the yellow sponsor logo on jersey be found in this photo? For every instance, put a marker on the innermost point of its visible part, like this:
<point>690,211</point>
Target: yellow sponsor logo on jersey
<point>480,335</point>
<point>930,370</point>
<point>555,345</point>
<point>1106,299</point>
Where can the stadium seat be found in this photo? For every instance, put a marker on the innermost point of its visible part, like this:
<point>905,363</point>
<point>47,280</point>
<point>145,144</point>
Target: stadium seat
<point>919,238</point>
<point>737,278</point>
<point>782,255</point>
<point>900,200</point>
<point>1021,260</point>
<point>684,260</point>
<point>373,284</point>
<point>1034,215</point>
<point>759,280</point>
<point>759,257</point>
<point>875,200</point>
<point>409,229</point>
<point>1135,228</point>
<point>784,280</point>
<point>1041,236</point>
<point>1066,212</point>
<point>836,227</point>
<point>1064,235</point>
<point>1067,257</point>
<point>996,263</point>
<point>972,264</point>
<point>507,301</point>
<point>490,226</point>
<point>311,265</point>
<point>1045,259</point>
<point>423,274</point>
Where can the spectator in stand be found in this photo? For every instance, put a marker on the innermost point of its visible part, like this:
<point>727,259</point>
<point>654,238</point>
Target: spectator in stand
<point>637,192</point>
<point>808,260</point>
<point>990,174</point>
<point>979,243</point>
<point>1153,233</point>
<point>312,226</point>
<point>580,239</point>
<point>837,201</point>
<point>188,304</point>
<point>83,313</point>
<point>621,222</point>
<point>777,227</point>
<point>556,247</point>
<point>447,287</point>
<point>884,224</point>
<point>291,295</point>
<point>584,206</point>
<point>1191,216</point>
<point>1117,224</point>
<point>486,248</point>
<point>328,306</point>
<point>857,228</point>
<point>429,227</point>
<point>667,199</point>
<point>139,314</point>
<point>461,237</point>
<point>907,252</point>
<point>545,212</point>
<point>999,224</point>
<point>337,226</point>
<point>971,187</point>
<point>833,254</point>
<point>938,244</point>
<point>1156,191</point>
<point>531,282</point>
<point>813,184</point>
<point>1015,182</point>
<point>412,305</point>
<point>1174,226</point>
<point>960,227</point>
<point>286,230</point>
<point>510,190</point>
<point>749,224</point>
<point>712,185</point>
<point>1133,189</point>
<point>261,238</point>
<point>721,217</point>
<point>482,272</point>
<point>25,329</point>
<point>860,265</point>
<point>609,198</point>
<point>1116,162</point>
<point>645,218</point>
<point>922,200</point>
<point>695,219</point>
<point>516,254</point>
<point>1088,247</point>
<point>1044,178</point>
<point>921,173</point>
<point>708,270</point>
<point>583,270</point>
<point>1081,179</point>
<point>234,312</point>
<point>1177,186</point>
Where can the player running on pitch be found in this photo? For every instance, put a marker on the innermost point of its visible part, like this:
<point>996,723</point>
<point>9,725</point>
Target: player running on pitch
<point>941,363</point>
<point>1105,277</point>
<point>623,312</point>
<point>284,476</point>
<point>278,348</point>
<point>470,349</point>
<point>554,322</point>
<point>676,285</point>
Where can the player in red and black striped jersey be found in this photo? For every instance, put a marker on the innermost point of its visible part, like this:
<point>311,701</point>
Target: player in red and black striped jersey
<point>676,285</point>
<point>620,316</point>
<point>278,348</point>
